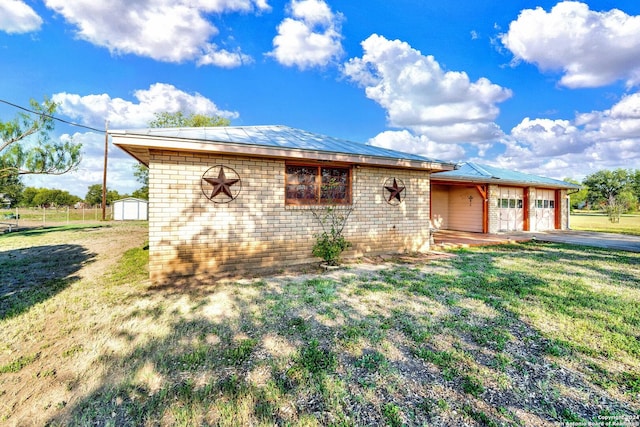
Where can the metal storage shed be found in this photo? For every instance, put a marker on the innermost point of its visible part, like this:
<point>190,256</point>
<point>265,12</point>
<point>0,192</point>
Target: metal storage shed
<point>130,209</point>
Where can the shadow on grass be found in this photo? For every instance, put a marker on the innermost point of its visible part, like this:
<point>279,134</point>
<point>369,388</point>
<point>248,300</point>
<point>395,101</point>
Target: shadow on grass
<point>32,275</point>
<point>327,351</point>
<point>37,231</point>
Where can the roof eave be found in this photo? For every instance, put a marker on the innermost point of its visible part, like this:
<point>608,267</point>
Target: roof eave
<point>138,146</point>
<point>499,181</point>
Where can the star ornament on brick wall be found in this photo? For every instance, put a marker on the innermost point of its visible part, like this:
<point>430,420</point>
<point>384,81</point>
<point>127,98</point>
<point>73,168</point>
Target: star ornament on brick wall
<point>394,191</point>
<point>221,184</point>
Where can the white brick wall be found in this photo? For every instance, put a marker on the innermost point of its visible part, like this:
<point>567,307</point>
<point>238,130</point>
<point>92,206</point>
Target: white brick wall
<point>192,236</point>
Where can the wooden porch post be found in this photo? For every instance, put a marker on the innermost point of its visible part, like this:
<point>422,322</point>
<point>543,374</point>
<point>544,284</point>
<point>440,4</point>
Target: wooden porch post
<point>483,190</point>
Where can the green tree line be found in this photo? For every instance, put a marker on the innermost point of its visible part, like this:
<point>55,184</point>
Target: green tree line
<point>31,197</point>
<point>613,191</point>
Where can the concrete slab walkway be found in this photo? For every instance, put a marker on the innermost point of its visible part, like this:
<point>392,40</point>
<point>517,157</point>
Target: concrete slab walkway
<point>622,242</point>
<point>449,239</point>
<point>445,239</point>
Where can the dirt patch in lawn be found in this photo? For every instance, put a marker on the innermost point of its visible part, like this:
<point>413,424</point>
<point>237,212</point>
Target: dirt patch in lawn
<point>480,337</point>
<point>47,276</point>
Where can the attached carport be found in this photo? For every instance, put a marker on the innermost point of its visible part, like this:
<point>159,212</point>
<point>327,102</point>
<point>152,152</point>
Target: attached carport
<point>459,206</point>
<point>484,199</point>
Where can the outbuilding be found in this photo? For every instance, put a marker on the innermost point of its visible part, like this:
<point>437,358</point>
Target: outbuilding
<point>231,199</point>
<point>486,199</point>
<point>130,209</point>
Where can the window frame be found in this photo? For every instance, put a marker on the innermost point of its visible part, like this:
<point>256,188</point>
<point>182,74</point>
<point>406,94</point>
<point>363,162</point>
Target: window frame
<point>318,200</point>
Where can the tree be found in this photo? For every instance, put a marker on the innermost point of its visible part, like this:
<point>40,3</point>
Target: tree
<point>28,195</point>
<point>606,188</point>
<point>579,198</point>
<point>26,147</point>
<point>173,120</point>
<point>628,200</point>
<point>635,184</point>
<point>64,198</point>
<point>32,197</point>
<point>112,196</point>
<point>94,195</point>
<point>53,197</point>
<point>44,198</point>
<point>141,172</point>
<point>11,188</point>
<point>181,120</point>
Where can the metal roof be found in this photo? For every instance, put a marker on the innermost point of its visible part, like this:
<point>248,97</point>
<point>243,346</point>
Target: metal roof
<point>475,172</point>
<point>281,142</point>
<point>277,136</point>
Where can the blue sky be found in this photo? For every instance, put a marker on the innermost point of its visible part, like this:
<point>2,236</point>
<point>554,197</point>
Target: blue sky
<point>544,87</point>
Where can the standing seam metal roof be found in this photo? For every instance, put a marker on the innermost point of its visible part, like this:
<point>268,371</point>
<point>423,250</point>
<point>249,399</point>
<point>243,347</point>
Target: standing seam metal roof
<point>484,173</point>
<point>278,137</point>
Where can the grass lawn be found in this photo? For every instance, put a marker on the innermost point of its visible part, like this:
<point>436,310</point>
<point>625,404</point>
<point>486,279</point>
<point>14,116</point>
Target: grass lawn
<point>516,335</point>
<point>591,221</point>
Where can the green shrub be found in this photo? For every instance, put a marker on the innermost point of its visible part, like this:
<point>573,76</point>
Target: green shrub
<point>329,246</point>
<point>330,243</point>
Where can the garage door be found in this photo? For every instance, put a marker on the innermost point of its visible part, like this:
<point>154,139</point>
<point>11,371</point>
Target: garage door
<point>545,207</point>
<point>510,209</point>
<point>465,209</point>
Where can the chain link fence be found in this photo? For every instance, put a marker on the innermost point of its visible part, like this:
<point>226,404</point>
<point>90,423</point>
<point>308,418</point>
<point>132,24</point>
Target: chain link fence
<point>14,218</point>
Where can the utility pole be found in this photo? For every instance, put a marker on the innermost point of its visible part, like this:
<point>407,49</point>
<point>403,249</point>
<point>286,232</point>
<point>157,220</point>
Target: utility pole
<point>104,174</point>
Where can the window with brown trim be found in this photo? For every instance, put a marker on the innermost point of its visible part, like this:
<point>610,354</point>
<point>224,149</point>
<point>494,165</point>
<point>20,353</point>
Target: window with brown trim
<point>317,184</point>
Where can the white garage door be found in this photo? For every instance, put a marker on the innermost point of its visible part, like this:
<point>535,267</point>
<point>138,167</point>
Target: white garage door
<point>545,207</point>
<point>510,209</point>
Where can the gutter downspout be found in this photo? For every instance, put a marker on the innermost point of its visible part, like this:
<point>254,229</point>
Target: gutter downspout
<point>569,193</point>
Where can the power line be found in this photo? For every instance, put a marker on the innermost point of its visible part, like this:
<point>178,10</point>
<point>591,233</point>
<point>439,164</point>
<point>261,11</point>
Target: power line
<point>52,117</point>
<point>106,145</point>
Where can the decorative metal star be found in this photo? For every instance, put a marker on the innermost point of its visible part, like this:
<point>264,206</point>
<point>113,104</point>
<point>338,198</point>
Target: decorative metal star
<point>395,191</point>
<point>221,184</point>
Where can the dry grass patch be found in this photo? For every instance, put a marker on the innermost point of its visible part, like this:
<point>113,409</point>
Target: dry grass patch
<point>501,335</point>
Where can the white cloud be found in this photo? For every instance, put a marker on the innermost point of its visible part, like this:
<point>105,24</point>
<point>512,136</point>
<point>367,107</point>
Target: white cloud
<point>549,137</point>
<point>165,30</point>
<point>311,37</point>
<point>590,48</point>
<point>93,110</point>
<point>223,58</point>
<point>622,121</point>
<point>18,17</point>
<point>591,142</point>
<point>404,141</point>
<point>443,106</point>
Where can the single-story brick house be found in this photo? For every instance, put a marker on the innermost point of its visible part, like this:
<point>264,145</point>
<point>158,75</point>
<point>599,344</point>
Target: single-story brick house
<point>486,199</point>
<point>228,199</point>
